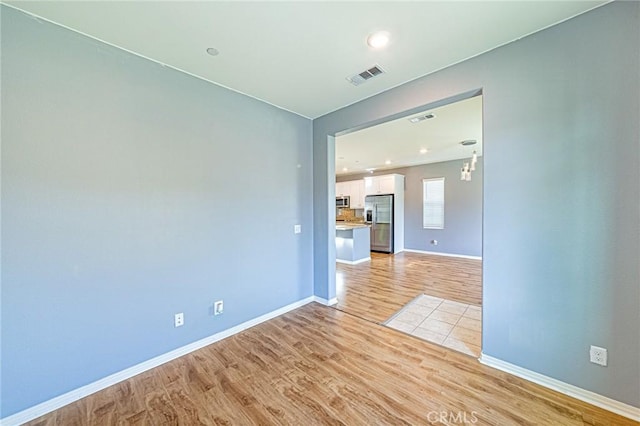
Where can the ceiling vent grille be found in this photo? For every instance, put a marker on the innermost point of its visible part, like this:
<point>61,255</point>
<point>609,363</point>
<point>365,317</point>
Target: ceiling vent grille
<point>422,118</point>
<point>365,75</point>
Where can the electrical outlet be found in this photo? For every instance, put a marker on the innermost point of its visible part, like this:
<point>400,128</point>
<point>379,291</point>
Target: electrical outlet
<point>178,319</point>
<point>297,229</point>
<point>598,355</point>
<point>218,307</point>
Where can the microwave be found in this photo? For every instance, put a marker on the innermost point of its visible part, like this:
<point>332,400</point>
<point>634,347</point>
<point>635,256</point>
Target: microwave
<point>342,202</point>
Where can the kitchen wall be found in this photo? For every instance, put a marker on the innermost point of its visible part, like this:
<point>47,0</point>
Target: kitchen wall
<point>462,233</point>
<point>131,192</point>
<point>561,193</point>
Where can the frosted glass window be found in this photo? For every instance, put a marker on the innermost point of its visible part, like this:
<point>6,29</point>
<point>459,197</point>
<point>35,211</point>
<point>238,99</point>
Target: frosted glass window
<point>433,203</point>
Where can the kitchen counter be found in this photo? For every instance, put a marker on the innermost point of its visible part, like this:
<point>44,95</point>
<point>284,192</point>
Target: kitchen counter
<point>342,226</point>
<point>353,242</point>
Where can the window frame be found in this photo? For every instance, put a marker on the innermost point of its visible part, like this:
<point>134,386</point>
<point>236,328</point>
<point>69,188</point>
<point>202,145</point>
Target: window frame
<point>437,203</point>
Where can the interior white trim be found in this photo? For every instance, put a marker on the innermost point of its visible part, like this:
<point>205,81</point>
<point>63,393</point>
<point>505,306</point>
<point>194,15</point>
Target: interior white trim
<point>463,256</point>
<point>79,393</point>
<point>353,262</point>
<point>329,302</point>
<point>593,398</point>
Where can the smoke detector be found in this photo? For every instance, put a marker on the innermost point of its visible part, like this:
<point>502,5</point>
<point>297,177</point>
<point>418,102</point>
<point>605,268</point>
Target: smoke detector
<point>365,75</point>
<point>420,118</point>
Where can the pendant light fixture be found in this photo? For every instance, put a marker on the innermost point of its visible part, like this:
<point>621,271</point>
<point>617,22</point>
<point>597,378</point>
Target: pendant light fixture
<point>470,165</point>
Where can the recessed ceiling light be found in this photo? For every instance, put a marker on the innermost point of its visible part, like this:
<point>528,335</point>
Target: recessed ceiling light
<point>344,169</point>
<point>378,40</point>
<point>387,162</point>
<point>213,51</point>
<point>423,151</point>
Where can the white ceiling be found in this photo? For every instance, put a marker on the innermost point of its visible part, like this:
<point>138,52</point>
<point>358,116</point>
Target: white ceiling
<point>296,55</point>
<point>400,141</point>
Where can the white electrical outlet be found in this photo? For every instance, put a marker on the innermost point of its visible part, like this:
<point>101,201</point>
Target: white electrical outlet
<point>218,307</point>
<point>598,355</point>
<point>297,229</point>
<point>178,319</point>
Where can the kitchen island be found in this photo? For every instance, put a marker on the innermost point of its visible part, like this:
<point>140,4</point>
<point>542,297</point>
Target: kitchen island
<point>353,242</point>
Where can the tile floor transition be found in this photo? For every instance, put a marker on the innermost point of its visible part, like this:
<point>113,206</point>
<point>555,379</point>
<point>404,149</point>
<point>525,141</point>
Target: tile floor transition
<point>452,324</point>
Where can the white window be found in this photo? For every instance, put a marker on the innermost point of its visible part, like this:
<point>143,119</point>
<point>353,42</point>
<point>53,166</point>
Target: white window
<point>433,203</point>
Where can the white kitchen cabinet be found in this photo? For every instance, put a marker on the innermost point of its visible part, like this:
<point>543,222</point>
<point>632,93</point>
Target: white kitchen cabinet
<point>354,189</point>
<point>385,184</point>
<point>342,189</point>
<point>357,194</point>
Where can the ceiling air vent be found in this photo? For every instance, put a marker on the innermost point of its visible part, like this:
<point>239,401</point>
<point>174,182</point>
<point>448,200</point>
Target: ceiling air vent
<point>360,78</point>
<point>423,117</point>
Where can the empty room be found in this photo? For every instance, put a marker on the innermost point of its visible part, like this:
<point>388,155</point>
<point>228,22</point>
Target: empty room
<point>185,240</point>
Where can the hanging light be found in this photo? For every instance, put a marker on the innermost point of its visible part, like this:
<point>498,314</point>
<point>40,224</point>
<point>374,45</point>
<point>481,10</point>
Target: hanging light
<point>465,173</point>
<point>468,166</point>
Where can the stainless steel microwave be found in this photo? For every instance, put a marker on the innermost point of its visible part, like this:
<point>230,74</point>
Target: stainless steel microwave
<point>342,202</point>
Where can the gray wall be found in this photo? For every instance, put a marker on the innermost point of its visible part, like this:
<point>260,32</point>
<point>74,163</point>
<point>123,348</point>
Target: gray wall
<point>131,192</point>
<point>462,233</point>
<point>561,197</point>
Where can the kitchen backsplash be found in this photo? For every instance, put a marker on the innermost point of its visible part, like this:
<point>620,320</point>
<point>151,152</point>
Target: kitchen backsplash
<point>349,215</point>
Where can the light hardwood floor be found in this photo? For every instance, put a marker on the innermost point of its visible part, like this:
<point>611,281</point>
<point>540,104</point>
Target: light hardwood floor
<point>318,365</point>
<point>376,290</point>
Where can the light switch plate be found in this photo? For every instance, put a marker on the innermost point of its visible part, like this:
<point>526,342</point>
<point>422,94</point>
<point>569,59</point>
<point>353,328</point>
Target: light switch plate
<point>297,229</point>
<point>218,307</point>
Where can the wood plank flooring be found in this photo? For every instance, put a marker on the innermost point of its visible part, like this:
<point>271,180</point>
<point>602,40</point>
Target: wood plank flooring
<point>317,365</point>
<point>377,289</point>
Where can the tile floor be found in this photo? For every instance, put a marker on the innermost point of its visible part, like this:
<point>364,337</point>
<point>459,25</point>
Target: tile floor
<point>452,324</point>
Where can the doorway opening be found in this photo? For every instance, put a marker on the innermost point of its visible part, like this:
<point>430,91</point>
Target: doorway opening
<point>428,284</point>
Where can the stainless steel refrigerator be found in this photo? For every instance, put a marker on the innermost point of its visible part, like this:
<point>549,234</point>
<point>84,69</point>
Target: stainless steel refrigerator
<point>378,210</point>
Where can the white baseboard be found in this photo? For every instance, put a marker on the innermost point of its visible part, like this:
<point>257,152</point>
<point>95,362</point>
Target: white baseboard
<point>79,393</point>
<point>463,256</point>
<point>354,262</point>
<point>326,302</point>
<point>592,398</point>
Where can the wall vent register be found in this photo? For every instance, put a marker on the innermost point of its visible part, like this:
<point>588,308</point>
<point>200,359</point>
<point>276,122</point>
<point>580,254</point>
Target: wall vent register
<point>423,117</point>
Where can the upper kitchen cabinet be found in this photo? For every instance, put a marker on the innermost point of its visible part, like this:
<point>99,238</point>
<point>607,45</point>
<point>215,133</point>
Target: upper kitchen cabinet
<point>357,194</point>
<point>354,189</point>
<point>342,189</point>
<point>384,184</point>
